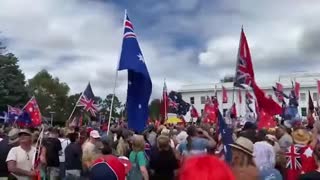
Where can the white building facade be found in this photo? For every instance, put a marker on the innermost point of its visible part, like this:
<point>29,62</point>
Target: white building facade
<point>196,94</point>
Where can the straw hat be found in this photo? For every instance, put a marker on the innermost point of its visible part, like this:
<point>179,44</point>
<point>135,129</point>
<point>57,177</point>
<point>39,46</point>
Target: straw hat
<point>301,136</point>
<point>243,144</point>
<point>13,135</point>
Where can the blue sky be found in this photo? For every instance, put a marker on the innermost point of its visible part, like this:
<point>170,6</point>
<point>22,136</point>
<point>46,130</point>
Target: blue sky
<point>184,41</point>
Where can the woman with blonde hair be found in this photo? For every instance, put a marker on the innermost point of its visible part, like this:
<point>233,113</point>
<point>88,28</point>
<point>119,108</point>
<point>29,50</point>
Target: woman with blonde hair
<point>138,160</point>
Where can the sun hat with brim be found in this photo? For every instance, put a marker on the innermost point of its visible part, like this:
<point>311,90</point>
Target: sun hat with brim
<point>243,144</point>
<point>13,135</point>
<point>25,131</point>
<point>301,136</point>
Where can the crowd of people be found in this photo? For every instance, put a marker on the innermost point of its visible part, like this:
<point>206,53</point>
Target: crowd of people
<point>166,152</point>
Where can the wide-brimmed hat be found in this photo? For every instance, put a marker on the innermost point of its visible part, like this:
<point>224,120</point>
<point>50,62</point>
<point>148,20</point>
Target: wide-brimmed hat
<point>25,131</point>
<point>301,136</point>
<point>243,144</point>
<point>13,135</point>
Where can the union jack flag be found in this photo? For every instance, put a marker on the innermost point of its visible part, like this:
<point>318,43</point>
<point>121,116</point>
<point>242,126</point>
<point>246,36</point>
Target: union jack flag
<point>87,101</point>
<point>244,69</point>
<point>293,158</point>
<point>173,104</point>
<point>14,110</point>
<point>128,29</point>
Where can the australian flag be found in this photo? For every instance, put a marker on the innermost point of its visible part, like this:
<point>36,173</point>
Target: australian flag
<point>139,81</point>
<point>177,105</point>
<point>226,137</point>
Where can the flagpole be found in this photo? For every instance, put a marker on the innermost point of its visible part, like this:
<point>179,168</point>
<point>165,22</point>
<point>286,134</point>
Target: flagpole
<point>75,106</point>
<point>165,102</point>
<point>115,80</point>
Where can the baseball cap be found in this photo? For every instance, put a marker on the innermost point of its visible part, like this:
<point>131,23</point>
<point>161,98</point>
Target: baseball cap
<point>95,134</point>
<point>107,167</point>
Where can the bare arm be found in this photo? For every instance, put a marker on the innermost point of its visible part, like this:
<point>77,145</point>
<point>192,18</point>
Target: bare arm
<point>144,173</point>
<point>12,167</point>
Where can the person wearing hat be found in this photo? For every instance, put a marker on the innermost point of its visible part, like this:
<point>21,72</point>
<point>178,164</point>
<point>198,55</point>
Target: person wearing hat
<point>9,141</point>
<point>89,147</point>
<point>242,162</point>
<point>19,159</point>
<point>300,154</point>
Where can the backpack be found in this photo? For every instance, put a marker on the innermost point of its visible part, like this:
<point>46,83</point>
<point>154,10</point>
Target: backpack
<point>135,173</point>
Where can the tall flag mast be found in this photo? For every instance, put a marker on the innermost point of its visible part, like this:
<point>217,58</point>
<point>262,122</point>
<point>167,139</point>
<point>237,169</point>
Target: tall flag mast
<point>139,81</point>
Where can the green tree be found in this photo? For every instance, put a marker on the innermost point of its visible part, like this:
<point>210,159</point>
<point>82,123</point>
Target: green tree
<point>106,104</point>
<point>52,96</point>
<point>154,109</point>
<point>12,82</point>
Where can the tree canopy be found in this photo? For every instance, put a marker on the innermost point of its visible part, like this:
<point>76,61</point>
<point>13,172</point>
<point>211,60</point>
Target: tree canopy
<point>51,94</point>
<point>12,82</point>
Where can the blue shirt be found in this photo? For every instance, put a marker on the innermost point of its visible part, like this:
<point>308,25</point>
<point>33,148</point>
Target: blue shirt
<point>270,174</point>
<point>198,146</point>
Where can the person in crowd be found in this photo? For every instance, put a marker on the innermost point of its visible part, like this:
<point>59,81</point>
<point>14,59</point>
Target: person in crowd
<point>285,139</point>
<point>163,161</point>
<point>299,155</point>
<point>249,131</point>
<point>107,167</point>
<point>123,148</point>
<point>138,159</point>
<point>166,132</point>
<point>64,143</point>
<point>205,167</point>
<point>73,155</point>
<point>19,159</point>
<point>9,141</point>
<point>181,135</point>
<point>197,142</point>
<point>89,147</point>
<point>51,150</point>
<point>265,159</point>
<point>313,175</point>
<point>242,162</point>
<point>152,136</point>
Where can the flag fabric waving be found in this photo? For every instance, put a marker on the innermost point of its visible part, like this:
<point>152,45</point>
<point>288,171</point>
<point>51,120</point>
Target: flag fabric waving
<point>33,110</point>
<point>13,114</point>
<point>268,105</point>
<point>224,95</point>
<point>177,105</point>
<point>226,137</point>
<point>87,101</point>
<point>194,112</point>
<point>244,68</point>
<point>297,89</point>
<point>139,81</point>
<point>164,103</point>
<point>239,96</point>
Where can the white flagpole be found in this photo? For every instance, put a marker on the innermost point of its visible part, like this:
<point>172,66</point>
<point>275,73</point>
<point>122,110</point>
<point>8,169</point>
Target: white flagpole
<point>115,80</point>
<point>75,106</point>
<point>165,102</point>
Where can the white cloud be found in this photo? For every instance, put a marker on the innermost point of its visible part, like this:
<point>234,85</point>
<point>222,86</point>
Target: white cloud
<point>79,41</point>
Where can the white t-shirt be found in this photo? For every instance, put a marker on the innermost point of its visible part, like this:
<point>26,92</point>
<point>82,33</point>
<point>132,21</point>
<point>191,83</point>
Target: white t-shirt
<point>23,159</point>
<point>64,144</point>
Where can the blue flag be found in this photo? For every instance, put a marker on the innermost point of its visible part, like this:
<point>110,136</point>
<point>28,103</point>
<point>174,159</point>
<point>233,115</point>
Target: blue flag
<point>139,82</point>
<point>226,135</point>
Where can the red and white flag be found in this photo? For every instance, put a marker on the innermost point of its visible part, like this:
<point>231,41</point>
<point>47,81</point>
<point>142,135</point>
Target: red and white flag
<point>34,111</point>
<point>194,112</point>
<point>297,89</point>
<point>280,92</point>
<point>224,95</point>
<point>239,96</point>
